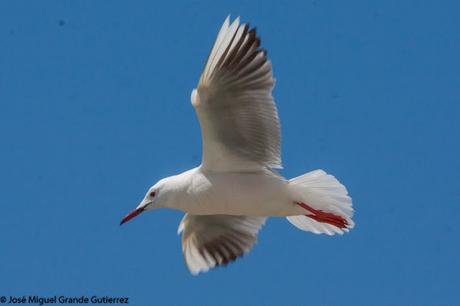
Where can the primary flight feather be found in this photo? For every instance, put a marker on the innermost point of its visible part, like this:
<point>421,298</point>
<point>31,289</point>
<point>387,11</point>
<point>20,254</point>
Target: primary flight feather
<point>229,196</point>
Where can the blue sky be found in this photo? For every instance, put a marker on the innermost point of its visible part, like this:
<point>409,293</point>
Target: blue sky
<point>94,108</point>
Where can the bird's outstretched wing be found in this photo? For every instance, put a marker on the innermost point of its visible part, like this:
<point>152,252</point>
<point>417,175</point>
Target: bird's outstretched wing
<point>238,117</point>
<point>212,240</point>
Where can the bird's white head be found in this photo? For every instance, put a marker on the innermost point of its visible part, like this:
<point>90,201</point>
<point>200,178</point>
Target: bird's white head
<point>152,199</point>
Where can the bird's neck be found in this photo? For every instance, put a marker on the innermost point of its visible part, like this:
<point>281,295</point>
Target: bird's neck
<point>175,190</point>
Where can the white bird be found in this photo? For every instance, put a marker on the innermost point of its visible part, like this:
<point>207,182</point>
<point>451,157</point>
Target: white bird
<point>230,195</point>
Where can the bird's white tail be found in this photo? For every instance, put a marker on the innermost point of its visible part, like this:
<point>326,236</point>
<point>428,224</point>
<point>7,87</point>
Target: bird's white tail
<point>326,203</point>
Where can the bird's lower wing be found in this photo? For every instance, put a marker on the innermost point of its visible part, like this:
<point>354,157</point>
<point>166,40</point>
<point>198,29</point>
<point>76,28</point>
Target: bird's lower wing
<point>212,240</point>
<point>238,117</point>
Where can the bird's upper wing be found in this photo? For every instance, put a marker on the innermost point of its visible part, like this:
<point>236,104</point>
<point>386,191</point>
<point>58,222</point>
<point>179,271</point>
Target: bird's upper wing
<point>238,117</point>
<point>212,240</point>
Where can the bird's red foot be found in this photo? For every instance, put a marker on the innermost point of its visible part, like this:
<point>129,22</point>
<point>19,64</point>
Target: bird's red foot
<point>324,217</point>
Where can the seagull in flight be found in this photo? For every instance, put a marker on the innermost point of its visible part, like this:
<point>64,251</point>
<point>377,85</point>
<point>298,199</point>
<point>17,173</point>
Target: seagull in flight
<point>229,196</point>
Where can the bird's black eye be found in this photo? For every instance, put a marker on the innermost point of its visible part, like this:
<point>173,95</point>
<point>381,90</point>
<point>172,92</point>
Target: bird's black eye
<point>152,194</point>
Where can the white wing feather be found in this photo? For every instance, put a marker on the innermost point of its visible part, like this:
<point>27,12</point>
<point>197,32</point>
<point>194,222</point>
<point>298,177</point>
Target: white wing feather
<point>212,240</point>
<point>238,117</point>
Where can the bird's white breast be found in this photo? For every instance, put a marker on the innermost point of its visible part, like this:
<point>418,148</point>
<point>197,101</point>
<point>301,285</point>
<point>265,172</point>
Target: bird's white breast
<point>255,193</point>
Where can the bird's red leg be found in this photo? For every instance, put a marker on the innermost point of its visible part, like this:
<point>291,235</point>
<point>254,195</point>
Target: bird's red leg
<point>324,217</point>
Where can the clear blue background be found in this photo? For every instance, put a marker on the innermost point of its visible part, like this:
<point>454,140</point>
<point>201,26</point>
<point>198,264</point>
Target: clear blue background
<point>94,108</point>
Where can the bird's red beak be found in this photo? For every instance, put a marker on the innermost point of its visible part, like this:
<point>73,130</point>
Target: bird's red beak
<point>131,215</point>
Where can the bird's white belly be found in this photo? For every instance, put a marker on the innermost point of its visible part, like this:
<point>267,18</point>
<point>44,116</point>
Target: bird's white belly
<point>255,194</point>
